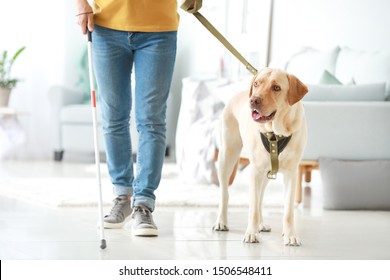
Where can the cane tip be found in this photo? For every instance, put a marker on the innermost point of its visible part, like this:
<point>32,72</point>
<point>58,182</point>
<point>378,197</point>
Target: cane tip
<point>103,244</point>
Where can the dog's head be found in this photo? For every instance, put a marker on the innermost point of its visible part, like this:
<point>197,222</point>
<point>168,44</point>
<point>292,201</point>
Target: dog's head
<point>273,91</point>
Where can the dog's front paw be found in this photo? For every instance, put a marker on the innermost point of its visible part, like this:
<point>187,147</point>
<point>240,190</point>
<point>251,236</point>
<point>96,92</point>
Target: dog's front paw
<point>291,240</point>
<point>251,237</point>
<point>220,226</point>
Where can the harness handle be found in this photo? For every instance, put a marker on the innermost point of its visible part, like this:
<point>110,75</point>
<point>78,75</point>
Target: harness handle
<point>274,144</point>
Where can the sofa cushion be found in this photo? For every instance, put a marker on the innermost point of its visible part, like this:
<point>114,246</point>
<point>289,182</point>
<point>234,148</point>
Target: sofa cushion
<point>365,92</point>
<point>350,130</point>
<point>309,64</point>
<point>355,185</point>
<point>77,113</point>
<point>364,67</point>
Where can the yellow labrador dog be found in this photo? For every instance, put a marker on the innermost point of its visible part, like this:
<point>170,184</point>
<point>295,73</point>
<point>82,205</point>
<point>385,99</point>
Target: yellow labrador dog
<point>271,105</point>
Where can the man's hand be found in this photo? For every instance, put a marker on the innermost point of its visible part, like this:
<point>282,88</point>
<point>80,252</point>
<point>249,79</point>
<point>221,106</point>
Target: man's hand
<point>84,14</point>
<point>191,6</point>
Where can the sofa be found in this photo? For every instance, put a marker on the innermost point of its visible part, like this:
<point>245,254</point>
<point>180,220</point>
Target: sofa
<point>71,123</point>
<point>347,107</point>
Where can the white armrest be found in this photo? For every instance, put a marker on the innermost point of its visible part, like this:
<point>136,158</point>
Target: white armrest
<point>59,97</point>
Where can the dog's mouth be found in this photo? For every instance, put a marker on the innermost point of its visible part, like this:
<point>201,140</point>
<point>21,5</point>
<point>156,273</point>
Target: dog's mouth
<point>258,117</point>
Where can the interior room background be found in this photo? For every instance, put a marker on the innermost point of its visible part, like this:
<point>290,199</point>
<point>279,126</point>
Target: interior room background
<point>54,45</point>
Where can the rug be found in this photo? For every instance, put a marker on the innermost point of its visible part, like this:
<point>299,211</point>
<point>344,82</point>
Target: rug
<point>173,191</point>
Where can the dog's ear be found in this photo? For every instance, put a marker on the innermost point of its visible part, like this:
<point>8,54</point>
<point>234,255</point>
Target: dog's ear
<point>252,83</point>
<point>296,91</point>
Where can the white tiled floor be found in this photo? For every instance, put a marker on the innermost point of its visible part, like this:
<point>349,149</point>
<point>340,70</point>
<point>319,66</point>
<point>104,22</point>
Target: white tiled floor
<point>33,232</point>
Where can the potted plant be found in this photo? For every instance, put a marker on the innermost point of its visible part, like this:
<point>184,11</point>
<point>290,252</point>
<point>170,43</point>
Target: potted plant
<point>6,82</point>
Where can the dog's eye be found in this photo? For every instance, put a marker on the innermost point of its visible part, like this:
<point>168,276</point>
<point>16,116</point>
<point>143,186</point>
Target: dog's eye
<point>256,84</point>
<point>276,88</point>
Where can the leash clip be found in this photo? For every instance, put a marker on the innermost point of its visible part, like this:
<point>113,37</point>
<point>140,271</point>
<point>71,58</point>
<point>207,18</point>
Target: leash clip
<point>251,69</point>
<point>271,175</point>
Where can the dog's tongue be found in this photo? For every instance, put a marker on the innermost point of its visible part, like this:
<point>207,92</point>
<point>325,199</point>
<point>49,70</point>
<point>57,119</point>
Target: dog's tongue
<point>256,116</point>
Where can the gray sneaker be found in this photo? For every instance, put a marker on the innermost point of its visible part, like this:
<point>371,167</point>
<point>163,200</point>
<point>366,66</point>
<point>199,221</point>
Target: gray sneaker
<point>120,213</point>
<point>143,224</point>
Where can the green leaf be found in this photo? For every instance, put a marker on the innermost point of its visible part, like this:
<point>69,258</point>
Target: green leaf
<point>5,69</point>
<point>4,57</point>
<point>18,52</point>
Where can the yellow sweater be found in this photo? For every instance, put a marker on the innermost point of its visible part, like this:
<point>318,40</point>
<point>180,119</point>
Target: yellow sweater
<point>137,15</point>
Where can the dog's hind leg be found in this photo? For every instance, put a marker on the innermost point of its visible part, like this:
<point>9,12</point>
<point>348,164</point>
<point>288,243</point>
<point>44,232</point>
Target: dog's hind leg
<point>229,154</point>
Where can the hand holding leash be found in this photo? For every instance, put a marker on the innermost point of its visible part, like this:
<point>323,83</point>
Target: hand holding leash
<point>191,6</point>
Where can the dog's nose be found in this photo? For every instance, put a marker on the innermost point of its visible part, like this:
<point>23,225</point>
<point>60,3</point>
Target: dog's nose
<point>256,100</point>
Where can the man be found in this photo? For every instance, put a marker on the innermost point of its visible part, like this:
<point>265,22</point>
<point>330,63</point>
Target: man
<point>143,34</point>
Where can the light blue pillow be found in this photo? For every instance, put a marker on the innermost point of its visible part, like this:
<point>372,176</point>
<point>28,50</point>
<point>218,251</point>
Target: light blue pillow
<point>328,78</point>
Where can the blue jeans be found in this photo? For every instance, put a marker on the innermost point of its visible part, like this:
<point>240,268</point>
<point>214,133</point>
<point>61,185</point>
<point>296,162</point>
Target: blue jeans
<point>153,56</point>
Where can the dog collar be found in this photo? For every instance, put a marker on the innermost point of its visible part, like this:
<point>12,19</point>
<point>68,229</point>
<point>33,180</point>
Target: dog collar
<point>274,144</point>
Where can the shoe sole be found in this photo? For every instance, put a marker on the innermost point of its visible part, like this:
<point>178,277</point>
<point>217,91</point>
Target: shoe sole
<point>145,232</point>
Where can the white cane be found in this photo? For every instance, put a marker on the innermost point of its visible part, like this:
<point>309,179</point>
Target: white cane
<point>96,140</point>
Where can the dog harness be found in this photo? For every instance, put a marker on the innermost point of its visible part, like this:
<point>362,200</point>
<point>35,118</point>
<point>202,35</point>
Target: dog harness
<point>274,144</point>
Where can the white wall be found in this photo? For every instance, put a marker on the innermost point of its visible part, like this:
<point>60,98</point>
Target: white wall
<point>359,24</point>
